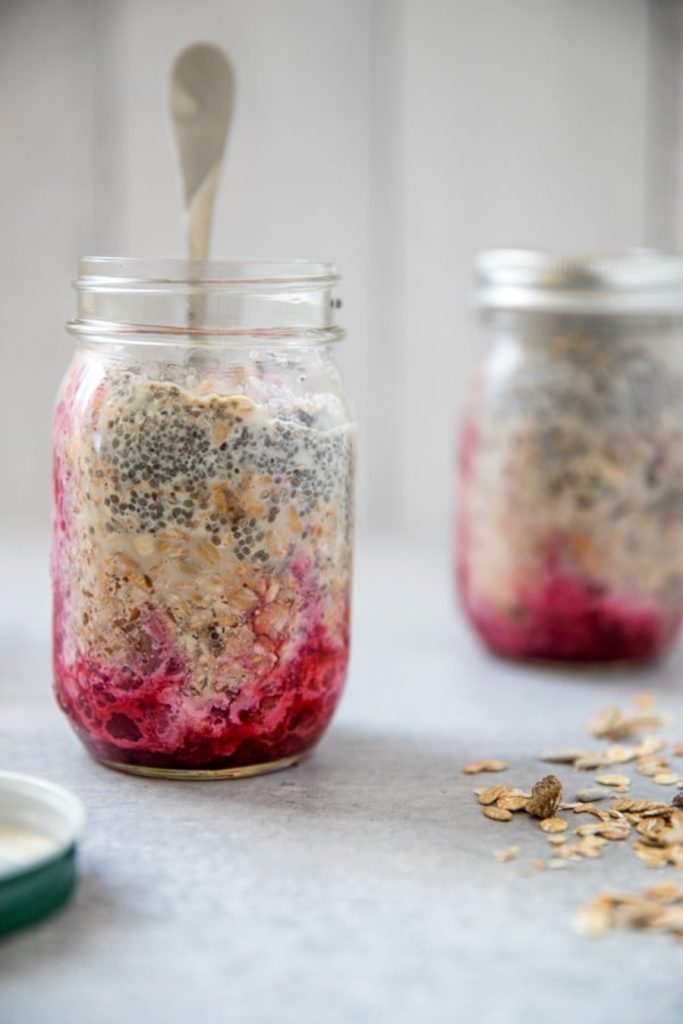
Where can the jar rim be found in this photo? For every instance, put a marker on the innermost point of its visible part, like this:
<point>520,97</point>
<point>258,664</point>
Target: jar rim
<point>180,301</point>
<point>128,271</point>
<point>636,280</point>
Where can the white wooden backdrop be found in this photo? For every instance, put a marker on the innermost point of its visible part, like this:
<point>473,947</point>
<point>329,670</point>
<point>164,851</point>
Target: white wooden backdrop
<point>395,136</point>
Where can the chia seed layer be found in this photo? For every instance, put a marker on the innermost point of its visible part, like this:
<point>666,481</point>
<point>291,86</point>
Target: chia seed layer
<point>201,567</point>
<point>570,531</point>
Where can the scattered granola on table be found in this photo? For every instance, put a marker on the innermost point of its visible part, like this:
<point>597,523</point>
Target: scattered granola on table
<point>613,724</point>
<point>658,908</point>
<point>654,827</point>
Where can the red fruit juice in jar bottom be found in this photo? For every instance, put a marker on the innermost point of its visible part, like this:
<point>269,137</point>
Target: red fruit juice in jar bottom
<point>566,620</point>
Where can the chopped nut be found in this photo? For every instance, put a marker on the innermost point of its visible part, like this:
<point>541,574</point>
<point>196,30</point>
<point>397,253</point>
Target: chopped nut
<point>546,797</point>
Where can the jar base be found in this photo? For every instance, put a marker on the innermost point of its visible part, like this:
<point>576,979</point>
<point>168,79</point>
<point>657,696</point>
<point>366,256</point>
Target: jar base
<point>204,774</point>
<point>588,665</point>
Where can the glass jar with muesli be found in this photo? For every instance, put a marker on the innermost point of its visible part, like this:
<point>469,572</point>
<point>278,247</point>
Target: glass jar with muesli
<point>570,510</point>
<point>203,506</point>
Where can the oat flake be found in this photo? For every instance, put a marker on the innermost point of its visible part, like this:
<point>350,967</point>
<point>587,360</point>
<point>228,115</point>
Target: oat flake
<point>498,814</point>
<point>507,853</point>
<point>484,766</point>
<point>613,780</point>
<point>554,825</point>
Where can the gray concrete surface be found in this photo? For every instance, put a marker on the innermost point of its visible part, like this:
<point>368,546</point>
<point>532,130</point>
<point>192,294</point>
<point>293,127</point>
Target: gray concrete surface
<point>359,887</point>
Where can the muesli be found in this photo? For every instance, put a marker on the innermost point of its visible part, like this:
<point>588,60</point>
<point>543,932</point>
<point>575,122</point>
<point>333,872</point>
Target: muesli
<point>201,565</point>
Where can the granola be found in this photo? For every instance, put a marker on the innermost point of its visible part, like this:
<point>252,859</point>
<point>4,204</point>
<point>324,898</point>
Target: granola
<point>654,827</point>
<point>657,908</point>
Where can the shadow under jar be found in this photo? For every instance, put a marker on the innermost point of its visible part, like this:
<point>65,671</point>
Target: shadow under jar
<point>203,491</point>
<point>570,517</point>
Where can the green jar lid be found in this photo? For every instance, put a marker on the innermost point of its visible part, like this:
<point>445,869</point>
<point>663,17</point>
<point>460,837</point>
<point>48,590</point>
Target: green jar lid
<point>40,824</point>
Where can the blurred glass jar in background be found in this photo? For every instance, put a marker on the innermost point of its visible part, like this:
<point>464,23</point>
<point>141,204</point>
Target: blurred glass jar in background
<point>203,489</point>
<point>570,517</point>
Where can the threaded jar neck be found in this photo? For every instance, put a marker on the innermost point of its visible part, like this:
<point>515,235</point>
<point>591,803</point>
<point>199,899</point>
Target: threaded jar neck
<point>208,303</point>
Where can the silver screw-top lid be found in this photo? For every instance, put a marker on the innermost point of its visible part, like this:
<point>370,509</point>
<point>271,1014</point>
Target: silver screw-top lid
<point>644,281</point>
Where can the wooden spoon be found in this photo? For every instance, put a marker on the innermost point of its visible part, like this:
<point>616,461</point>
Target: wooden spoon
<point>202,99</point>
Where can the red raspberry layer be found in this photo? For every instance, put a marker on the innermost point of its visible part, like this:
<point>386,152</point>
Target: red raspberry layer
<point>143,713</point>
<point>561,618</point>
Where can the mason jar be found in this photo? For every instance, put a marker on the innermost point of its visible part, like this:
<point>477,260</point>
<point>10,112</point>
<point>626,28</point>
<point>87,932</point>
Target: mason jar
<point>570,509</point>
<point>203,515</point>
